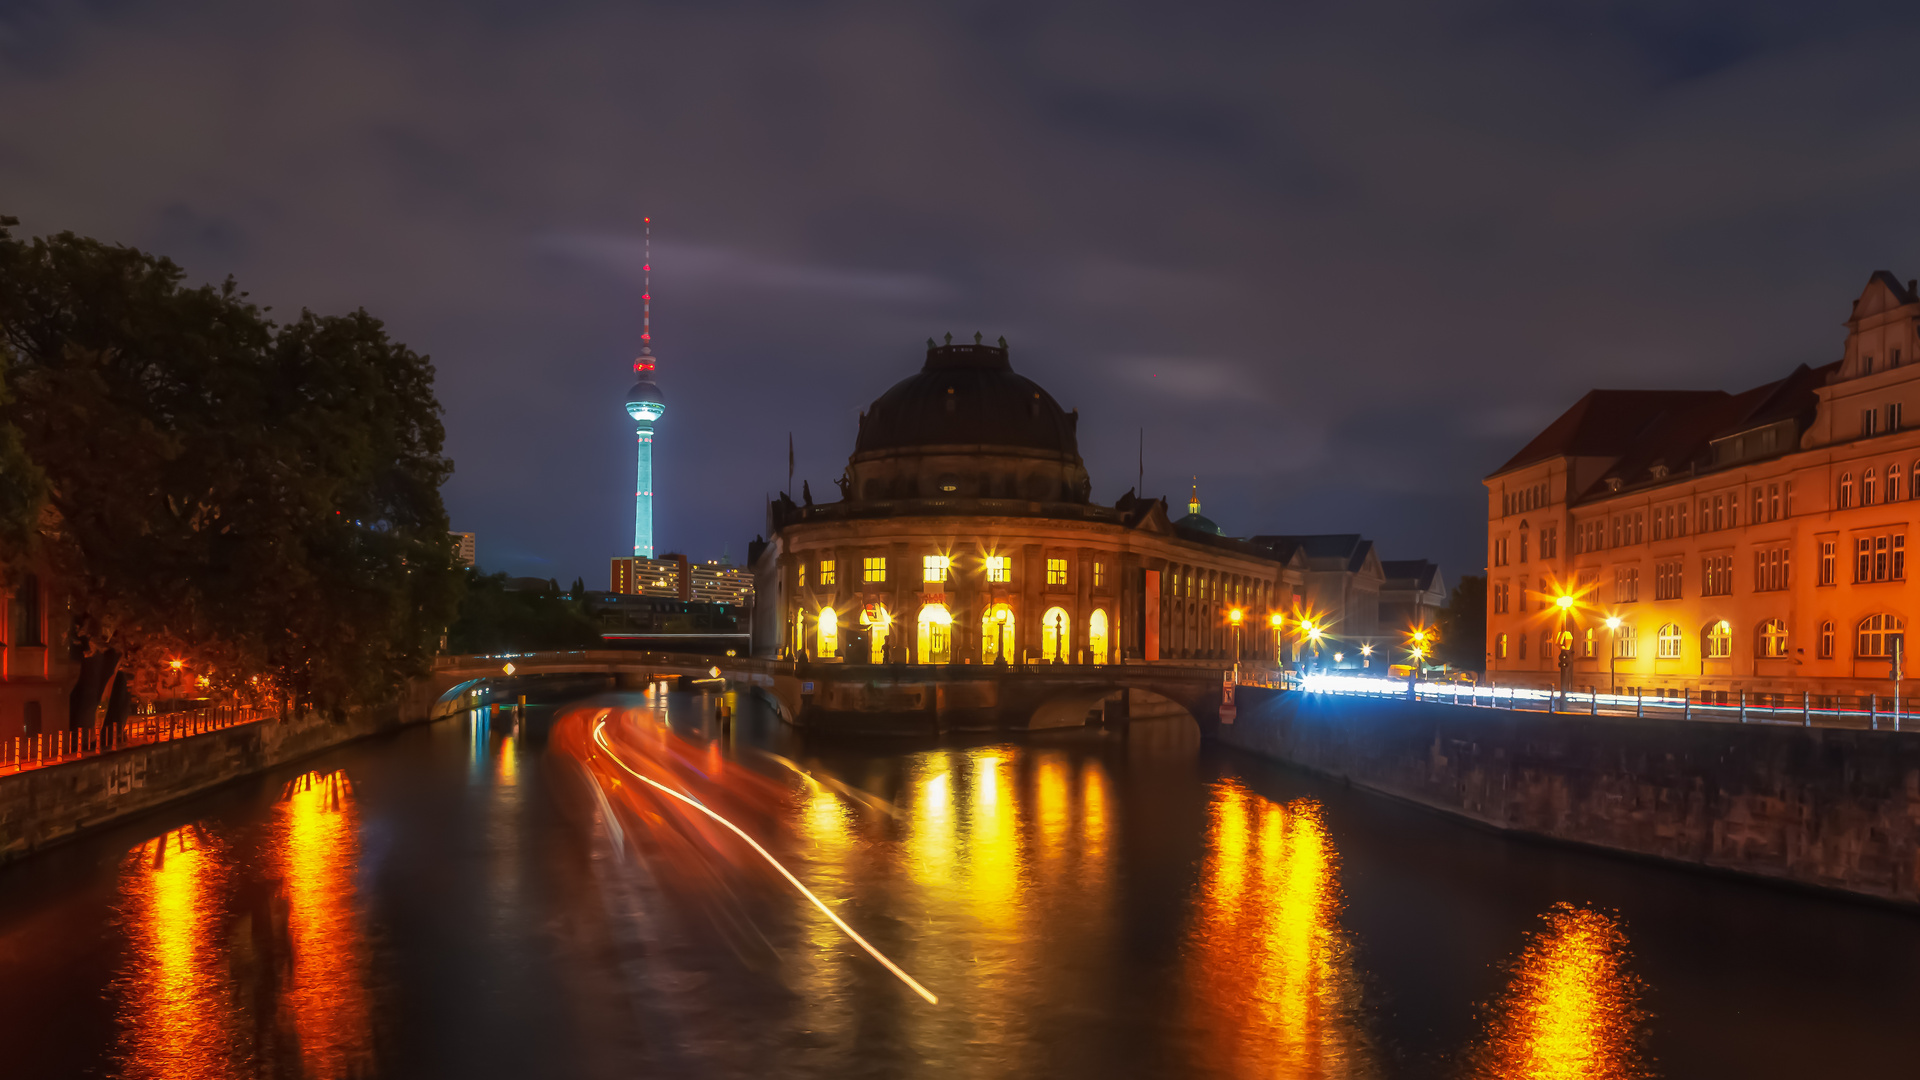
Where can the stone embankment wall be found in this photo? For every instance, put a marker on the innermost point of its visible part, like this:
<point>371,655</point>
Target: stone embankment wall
<point>1832,808</point>
<point>43,806</point>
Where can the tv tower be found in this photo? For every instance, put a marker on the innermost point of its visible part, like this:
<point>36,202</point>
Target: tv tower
<point>644,406</point>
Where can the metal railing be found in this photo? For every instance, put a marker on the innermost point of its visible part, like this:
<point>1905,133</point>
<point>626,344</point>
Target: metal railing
<point>1863,712</point>
<point>54,747</point>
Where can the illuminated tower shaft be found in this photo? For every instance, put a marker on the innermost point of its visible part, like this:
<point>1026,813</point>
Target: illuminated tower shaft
<point>644,405</point>
<point>643,493</point>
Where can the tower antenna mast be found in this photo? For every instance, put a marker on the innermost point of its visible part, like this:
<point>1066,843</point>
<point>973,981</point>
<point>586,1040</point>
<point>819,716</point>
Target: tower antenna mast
<point>644,406</point>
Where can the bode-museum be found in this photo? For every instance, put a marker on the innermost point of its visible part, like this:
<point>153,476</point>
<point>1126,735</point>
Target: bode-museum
<point>965,534</point>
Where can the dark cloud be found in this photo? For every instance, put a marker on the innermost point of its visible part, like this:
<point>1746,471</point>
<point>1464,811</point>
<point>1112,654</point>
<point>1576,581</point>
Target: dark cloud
<point>1337,260</point>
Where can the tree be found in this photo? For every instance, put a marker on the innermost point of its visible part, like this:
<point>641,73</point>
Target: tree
<point>259,498</point>
<point>496,618</point>
<point>1463,625</point>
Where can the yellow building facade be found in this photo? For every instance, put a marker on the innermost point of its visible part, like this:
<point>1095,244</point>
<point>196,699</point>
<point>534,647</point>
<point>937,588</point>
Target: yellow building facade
<point>1721,544</point>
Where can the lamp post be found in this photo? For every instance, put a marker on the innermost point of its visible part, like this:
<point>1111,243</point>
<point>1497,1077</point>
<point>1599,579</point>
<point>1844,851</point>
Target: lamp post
<point>1613,650</point>
<point>1565,603</point>
<point>1418,651</point>
<point>1059,637</point>
<point>1000,636</point>
<point>1276,621</point>
<point>1235,616</point>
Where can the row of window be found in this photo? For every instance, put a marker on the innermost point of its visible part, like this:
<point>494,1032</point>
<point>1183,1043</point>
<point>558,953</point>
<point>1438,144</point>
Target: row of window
<point>1523,500</point>
<point>1771,502</point>
<point>1549,545</point>
<point>1875,487</point>
<point>1874,639</point>
<point>1876,421</point>
<point>1876,558</point>
<point>940,568</point>
<point>929,638</point>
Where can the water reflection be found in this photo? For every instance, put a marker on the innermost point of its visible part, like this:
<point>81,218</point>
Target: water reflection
<point>1274,993</point>
<point>1573,1008</point>
<point>326,994</point>
<point>175,1020</point>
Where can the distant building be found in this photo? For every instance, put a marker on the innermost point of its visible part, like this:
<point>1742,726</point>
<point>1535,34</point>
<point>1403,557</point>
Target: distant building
<point>1740,544</point>
<point>669,622</point>
<point>464,551</point>
<point>1343,579</point>
<point>675,576</point>
<point>1412,594</point>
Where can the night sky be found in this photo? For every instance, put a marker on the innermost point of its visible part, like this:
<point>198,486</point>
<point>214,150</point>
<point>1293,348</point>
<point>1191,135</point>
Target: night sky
<point>1338,260</point>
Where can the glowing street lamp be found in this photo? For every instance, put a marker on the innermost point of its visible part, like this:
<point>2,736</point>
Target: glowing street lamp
<point>1276,620</point>
<point>1235,616</point>
<point>1565,603</point>
<point>1000,636</point>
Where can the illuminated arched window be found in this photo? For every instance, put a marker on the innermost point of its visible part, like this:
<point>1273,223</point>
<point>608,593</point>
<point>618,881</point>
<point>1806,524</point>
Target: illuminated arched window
<point>1877,635</point>
<point>1846,490</point>
<point>1097,637</point>
<point>1586,644</point>
<point>934,638</point>
<point>828,631</point>
<point>1772,638</point>
<point>879,623</point>
<point>1826,639</point>
<point>1719,640</point>
<point>1893,483</point>
<point>1670,638</point>
<point>1866,489</point>
<point>1056,632</point>
<point>996,635</point>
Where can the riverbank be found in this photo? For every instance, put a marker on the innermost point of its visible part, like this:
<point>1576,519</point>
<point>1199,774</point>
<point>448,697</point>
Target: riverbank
<point>44,806</point>
<point>1834,809</point>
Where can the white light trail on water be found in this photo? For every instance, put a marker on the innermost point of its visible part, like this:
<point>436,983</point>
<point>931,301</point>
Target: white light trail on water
<point>600,738</point>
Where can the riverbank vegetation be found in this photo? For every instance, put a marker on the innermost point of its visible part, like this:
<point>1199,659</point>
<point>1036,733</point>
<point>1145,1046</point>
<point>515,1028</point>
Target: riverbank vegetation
<point>259,498</point>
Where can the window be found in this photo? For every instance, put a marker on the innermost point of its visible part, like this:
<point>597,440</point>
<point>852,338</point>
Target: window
<point>803,575</point>
<point>1759,505</point>
<point>1773,638</point>
<point>1893,415</point>
<point>1586,644</point>
<point>999,569</point>
<point>1522,605</point>
<point>1666,580</point>
<point>1866,415</point>
<point>874,568</point>
<point>1523,544</point>
<point>1500,647</point>
<point>1719,640</point>
<point>1770,569</point>
<point>1626,644</point>
<point>1826,639</point>
<point>1867,492</point>
<point>1100,577</point>
<point>1502,597</point>
<point>1500,552</point>
<point>1893,483</point>
<point>1549,542</point>
<point>1846,491</point>
<point>1626,584</point>
<point>1523,647</point>
<point>826,571</point>
<point>1828,558</point>
<point>1056,571</point>
<point>1877,635</point>
<point>934,567</point>
<point>1880,558</point>
<point>1670,641</point>
<point>1716,575</point>
<point>829,629</point>
<point>1773,502</point>
<point>1719,512</point>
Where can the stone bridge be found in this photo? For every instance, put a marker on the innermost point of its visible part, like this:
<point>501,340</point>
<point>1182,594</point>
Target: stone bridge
<point>872,699</point>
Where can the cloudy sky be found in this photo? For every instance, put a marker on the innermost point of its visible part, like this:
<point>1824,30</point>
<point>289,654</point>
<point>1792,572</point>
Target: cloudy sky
<point>1337,260</point>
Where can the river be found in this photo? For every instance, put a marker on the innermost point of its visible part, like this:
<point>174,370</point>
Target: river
<point>622,887</point>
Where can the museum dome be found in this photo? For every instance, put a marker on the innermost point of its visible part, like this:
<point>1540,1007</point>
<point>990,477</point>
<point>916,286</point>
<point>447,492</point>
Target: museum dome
<point>967,395</point>
<point>966,426</point>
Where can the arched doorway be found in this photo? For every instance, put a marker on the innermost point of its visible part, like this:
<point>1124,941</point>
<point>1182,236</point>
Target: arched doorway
<point>996,633</point>
<point>879,623</point>
<point>1097,636</point>
<point>829,632</point>
<point>935,640</point>
<point>1055,635</point>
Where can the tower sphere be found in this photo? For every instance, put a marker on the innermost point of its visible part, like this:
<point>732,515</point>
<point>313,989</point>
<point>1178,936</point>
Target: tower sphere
<point>644,401</point>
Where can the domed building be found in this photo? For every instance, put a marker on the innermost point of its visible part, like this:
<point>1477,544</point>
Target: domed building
<point>965,534</point>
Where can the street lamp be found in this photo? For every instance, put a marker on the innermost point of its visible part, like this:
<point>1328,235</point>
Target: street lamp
<point>1234,617</point>
<point>1613,651</point>
<point>1059,637</point>
<point>1275,620</point>
<point>1565,603</point>
<point>1418,650</point>
<point>1000,636</point>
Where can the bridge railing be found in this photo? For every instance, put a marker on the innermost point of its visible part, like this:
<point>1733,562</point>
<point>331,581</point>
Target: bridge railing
<point>1806,709</point>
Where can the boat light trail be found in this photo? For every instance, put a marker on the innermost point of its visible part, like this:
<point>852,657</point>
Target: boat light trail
<point>600,738</point>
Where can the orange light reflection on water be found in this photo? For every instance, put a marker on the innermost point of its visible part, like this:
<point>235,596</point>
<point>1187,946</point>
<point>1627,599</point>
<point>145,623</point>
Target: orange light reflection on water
<point>1573,1010</point>
<point>1274,993</point>
<point>178,1010</point>
<point>326,995</point>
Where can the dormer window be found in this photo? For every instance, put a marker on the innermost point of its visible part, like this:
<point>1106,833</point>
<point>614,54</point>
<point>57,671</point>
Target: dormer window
<point>1866,365</point>
<point>1613,483</point>
<point>1659,472</point>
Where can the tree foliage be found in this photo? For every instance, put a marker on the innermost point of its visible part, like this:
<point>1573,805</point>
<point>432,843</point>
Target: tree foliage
<point>1463,625</point>
<point>261,498</point>
<point>496,618</point>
